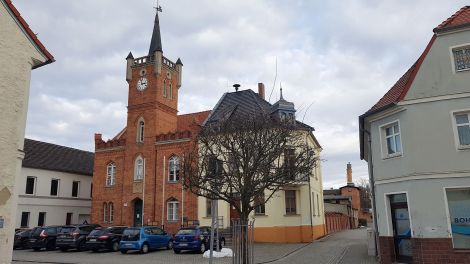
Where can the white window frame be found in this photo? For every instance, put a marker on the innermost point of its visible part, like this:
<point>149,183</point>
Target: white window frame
<point>452,57</point>
<point>105,212</point>
<point>138,177</point>
<point>172,210</point>
<point>383,139</point>
<point>446,202</point>
<point>78,189</point>
<point>453,114</point>
<point>110,177</point>
<point>34,185</point>
<point>58,187</point>
<point>111,212</point>
<point>173,176</point>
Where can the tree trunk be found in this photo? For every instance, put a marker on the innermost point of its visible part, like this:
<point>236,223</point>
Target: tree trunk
<point>245,249</point>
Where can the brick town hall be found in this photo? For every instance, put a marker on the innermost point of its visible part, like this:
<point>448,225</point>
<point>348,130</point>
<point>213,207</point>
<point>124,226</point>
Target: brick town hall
<point>136,173</point>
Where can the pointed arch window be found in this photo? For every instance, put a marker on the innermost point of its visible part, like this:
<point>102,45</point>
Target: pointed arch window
<point>171,91</point>
<point>174,169</point>
<point>140,130</point>
<point>139,168</point>
<point>105,212</point>
<point>111,212</point>
<point>164,88</point>
<point>111,174</point>
<point>172,209</point>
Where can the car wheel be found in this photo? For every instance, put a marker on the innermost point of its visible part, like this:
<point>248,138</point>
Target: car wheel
<point>169,245</point>
<point>123,251</point>
<point>177,251</point>
<point>63,249</point>
<point>50,245</point>
<point>81,245</point>
<point>144,249</point>
<point>202,249</point>
<point>115,246</point>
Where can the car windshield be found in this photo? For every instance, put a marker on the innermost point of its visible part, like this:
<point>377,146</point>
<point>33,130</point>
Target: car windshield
<point>67,229</point>
<point>96,232</point>
<point>37,231</point>
<point>131,232</point>
<point>186,232</point>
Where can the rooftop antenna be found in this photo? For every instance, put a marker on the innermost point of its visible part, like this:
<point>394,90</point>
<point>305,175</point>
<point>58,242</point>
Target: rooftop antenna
<point>158,7</point>
<point>274,83</point>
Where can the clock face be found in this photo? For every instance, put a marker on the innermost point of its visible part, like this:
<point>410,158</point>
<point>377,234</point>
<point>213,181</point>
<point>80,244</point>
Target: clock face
<point>142,84</point>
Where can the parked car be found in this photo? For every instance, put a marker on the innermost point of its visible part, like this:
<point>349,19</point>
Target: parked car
<point>195,239</point>
<point>44,237</point>
<point>74,236</point>
<point>21,238</point>
<point>144,239</point>
<point>105,238</point>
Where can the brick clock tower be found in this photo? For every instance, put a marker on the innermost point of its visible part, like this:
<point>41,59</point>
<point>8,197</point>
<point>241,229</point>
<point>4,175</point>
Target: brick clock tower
<point>136,177</point>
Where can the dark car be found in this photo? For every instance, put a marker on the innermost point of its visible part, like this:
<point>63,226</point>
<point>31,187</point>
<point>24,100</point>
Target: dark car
<point>21,238</point>
<point>105,238</point>
<point>144,239</point>
<point>195,239</point>
<point>74,236</point>
<point>43,237</point>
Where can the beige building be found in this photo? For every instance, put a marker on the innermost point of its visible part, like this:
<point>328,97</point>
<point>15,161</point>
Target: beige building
<point>20,52</point>
<point>55,185</point>
<point>295,213</point>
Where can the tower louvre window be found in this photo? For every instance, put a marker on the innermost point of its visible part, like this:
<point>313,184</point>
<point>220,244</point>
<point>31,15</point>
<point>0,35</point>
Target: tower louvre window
<point>164,88</point>
<point>141,130</point>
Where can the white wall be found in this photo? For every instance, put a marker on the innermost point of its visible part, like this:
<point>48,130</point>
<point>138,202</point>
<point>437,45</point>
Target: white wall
<point>17,54</point>
<point>56,208</point>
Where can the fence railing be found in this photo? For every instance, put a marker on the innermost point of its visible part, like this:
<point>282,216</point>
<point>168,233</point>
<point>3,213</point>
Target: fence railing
<point>243,241</point>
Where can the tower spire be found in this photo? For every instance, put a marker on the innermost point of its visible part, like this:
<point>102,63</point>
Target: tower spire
<point>156,42</point>
<point>282,98</point>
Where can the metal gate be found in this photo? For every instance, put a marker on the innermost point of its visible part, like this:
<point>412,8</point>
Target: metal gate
<point>243,241</point>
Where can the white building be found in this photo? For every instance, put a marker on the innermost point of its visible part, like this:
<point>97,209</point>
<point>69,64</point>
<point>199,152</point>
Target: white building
<point>20,52</point>
<point>416,140</point>
<point>55,185</point>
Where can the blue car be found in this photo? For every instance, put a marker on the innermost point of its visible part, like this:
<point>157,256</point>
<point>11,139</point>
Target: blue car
<point>144,239</point>
<point>195,239</point>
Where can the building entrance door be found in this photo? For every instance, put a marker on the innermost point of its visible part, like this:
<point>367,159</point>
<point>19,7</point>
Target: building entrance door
<point>401,227</point>
<point>233,211</point>
<point>137,212</point>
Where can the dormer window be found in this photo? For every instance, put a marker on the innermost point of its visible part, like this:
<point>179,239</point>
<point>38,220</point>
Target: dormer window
<point>462,58</point>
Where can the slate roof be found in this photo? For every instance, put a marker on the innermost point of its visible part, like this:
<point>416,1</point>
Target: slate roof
<point>47,156</point>
<point>332,192</point>
<point>243,103</point>
<point>31,34</point>
<point>156,42</point>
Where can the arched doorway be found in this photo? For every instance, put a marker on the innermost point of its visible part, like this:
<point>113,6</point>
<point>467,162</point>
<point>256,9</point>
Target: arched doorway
<point>138,212</point>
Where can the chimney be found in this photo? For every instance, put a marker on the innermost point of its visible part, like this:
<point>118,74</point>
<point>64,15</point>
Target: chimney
<point>261,90</point>
<point>349,174</point>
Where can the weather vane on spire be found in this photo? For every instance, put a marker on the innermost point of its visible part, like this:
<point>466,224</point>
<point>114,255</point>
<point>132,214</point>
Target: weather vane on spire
<point>158,7</point>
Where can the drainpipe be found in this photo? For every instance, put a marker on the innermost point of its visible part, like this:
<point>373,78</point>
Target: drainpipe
<point>163,194</point>
<point>372,188</point>
<point>310,206</point>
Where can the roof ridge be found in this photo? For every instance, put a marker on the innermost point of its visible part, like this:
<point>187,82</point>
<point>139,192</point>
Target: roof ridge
<point>256,97</point>
<point>195,113</point>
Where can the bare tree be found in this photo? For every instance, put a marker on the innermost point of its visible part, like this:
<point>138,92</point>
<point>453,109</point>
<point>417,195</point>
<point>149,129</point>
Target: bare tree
<point>240,160</point>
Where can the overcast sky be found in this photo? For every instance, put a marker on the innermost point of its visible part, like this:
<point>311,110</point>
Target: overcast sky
<point>338,57</point>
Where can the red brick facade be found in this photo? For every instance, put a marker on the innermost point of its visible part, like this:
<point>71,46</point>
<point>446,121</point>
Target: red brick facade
<point>425,251</point>
<point>166,135</point>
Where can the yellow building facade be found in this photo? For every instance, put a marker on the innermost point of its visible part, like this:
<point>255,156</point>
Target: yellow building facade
<point>294,214</point>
